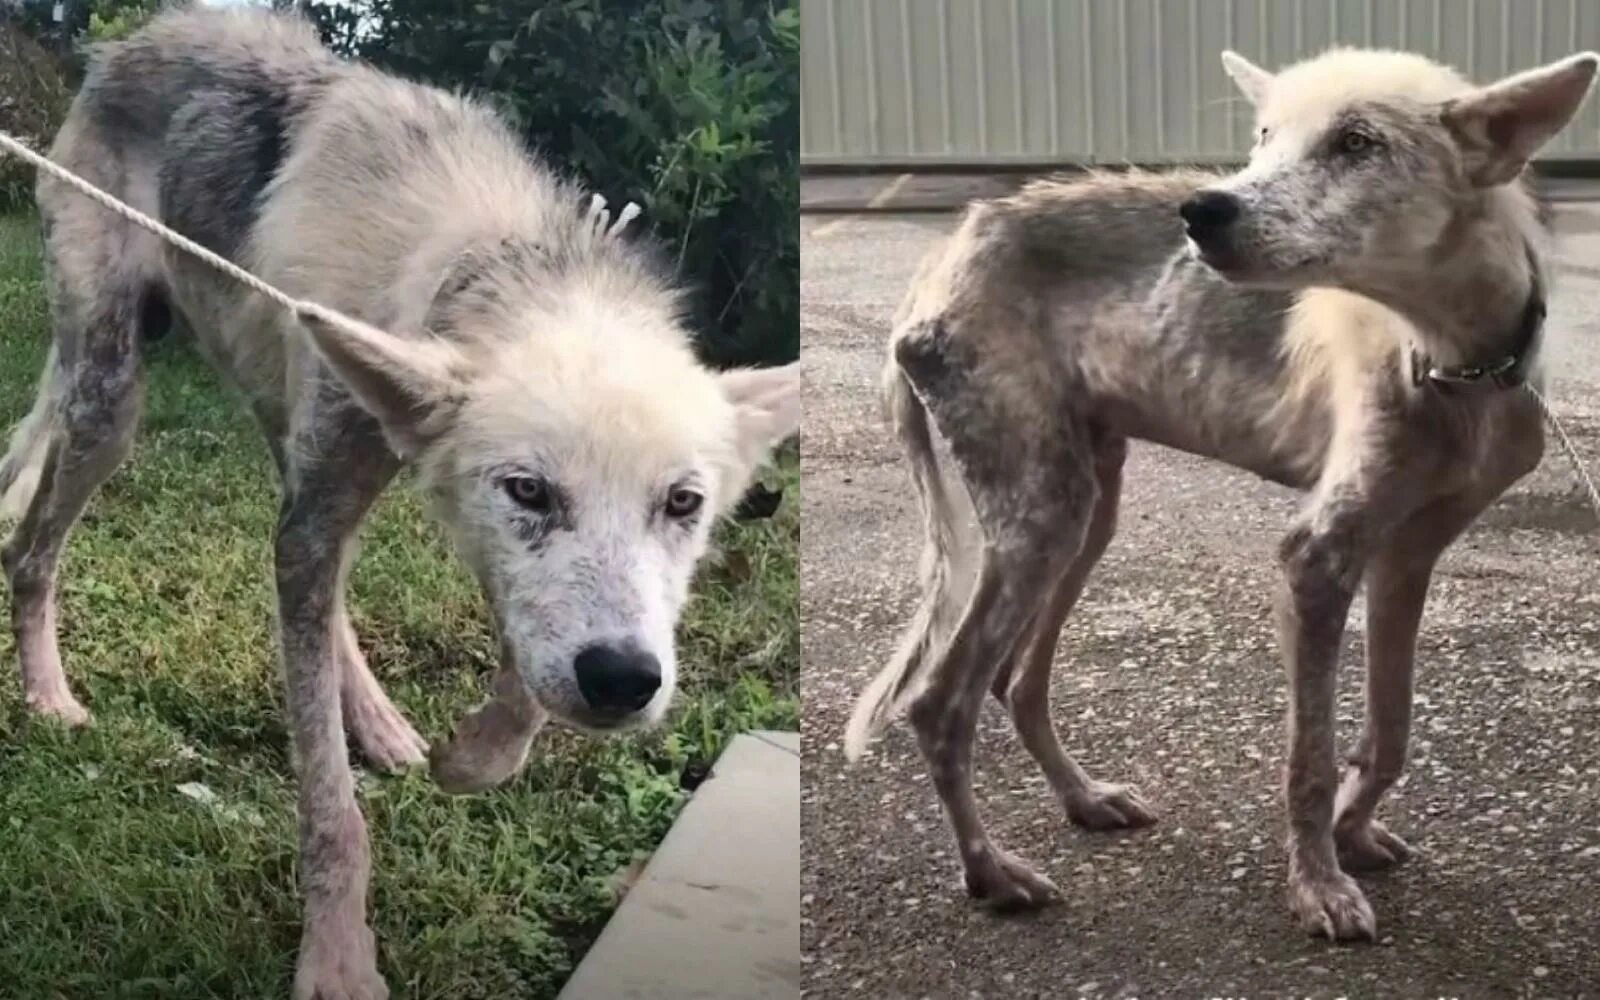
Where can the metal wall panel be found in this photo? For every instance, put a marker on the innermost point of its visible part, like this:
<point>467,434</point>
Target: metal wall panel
<point>1121,81</point>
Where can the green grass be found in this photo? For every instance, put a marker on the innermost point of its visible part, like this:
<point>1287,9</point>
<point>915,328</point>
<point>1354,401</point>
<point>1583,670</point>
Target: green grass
<point>115,884</point>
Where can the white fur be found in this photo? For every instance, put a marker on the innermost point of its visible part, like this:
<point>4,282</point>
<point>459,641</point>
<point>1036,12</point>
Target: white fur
<point>609,406</point>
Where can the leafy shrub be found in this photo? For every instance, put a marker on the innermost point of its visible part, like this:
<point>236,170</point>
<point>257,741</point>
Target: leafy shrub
<point>34,94</point>
<point>41,64</point>
<point>110,20</point>
<point>689,107</point>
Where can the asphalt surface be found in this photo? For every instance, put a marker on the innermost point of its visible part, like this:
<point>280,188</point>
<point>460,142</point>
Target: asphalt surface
<point>1167,677</point>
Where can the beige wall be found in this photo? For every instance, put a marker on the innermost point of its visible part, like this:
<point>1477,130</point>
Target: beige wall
<point>1117,81</point>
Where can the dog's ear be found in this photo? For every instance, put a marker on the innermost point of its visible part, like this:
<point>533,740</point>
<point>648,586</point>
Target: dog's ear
<point>766,403</point>
<point>411,386</point>
<point>1251,79</point>
<point>1499,127</point>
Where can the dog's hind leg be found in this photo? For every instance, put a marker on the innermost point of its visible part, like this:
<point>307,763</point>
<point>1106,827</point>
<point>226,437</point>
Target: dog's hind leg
<point>1033,499</point>
<point>1024,686</point>
<point>97,380</point>
<point>386,738</point>
<point>1397,587</point>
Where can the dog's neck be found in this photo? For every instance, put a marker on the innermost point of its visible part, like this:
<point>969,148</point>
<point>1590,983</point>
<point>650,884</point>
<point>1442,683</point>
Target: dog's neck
<point>1479,305</point>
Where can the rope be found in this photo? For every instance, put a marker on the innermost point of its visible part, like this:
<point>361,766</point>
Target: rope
<point>178,240</point>
<point>598,217</point>
<point>1568,447</point>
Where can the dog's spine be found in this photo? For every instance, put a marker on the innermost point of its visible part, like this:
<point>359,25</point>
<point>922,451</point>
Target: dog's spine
<point>24,459</point>
<point>899,681</point>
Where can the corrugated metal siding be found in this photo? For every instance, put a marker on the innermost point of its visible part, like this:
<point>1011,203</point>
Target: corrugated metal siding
<point>1121,81</point>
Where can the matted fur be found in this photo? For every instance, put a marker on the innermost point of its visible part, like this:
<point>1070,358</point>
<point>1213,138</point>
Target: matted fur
<point>529,362</point>
<point>1381,230</point>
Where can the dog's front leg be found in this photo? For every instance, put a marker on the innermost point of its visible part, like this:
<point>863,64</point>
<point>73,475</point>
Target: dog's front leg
<point>1397,587</point>
<point>322,509</point>
<point>1321,564</point>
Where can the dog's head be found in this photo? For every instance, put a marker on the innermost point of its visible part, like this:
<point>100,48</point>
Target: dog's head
<point>1364,159</point>
<point>578,453</point>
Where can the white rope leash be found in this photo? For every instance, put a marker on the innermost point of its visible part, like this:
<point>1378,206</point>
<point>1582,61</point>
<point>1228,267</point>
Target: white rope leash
<point>598,217</point>
<point>1568,447</point>
<point>143,221</point>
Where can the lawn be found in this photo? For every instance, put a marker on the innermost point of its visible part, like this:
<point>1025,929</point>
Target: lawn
<point>153,853</point>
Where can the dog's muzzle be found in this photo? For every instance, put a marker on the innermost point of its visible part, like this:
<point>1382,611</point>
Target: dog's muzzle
<point>617,680</point>
<point>1208,216</point>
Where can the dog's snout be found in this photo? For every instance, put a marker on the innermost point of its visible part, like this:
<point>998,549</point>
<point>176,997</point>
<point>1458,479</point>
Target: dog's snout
<point>617,679</point>
<point>1208,213</point>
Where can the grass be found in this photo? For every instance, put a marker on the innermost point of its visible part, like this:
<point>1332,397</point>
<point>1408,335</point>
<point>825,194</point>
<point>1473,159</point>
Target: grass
<point>114,883</point>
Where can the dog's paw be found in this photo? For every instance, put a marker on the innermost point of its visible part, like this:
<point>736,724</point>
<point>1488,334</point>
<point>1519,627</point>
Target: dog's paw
<point>479,755</point>
<point>490,743</point>
<point>387,740</point>
<point>59,706</point>
<point>338,961</point>
<point>1370,847</point>
<point>1104,806</point>
<point>1333,906</point>
<point>1006,884</point>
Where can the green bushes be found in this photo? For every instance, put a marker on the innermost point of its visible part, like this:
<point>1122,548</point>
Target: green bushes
<point>40,67</point>
<point>110,20</point>
<point>34,95</point>
<point>689,107</point>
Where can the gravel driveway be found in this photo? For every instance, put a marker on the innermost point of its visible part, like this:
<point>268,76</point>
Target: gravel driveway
<point>1167,677</point>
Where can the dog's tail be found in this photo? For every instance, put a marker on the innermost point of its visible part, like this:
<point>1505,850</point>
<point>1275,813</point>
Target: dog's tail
<point>24,459</point>
<point>901,680</point>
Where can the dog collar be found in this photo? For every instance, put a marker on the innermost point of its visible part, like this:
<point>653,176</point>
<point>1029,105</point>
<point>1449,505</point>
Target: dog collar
<point>1506,372</point>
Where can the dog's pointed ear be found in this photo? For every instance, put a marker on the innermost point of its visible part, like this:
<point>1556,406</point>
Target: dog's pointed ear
<point>411,386</point>
<point>1251,79</point>
<point>1499,127</point>
<point>766,404</point>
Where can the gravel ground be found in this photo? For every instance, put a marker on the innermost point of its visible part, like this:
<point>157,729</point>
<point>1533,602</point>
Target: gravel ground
<point>1168,678</point>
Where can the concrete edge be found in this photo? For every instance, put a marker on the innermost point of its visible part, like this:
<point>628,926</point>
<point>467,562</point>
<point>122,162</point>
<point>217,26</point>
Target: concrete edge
<point>715,915</point>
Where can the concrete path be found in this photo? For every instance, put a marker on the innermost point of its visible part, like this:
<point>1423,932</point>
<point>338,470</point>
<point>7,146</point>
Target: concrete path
<point>1168,677</point>
<point>716,913</point>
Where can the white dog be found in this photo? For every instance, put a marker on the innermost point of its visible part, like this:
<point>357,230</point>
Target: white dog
<point>529,361</point>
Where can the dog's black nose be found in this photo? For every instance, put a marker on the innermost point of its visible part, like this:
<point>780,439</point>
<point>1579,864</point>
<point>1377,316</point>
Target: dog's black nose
<point>1208,213</point>
<point>615,679</point>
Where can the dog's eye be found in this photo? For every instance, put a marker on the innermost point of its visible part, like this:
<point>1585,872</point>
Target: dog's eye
<point>529,492</point>
<point>1353,142</point>
<point>1261,134</point>
<point>682,502</point>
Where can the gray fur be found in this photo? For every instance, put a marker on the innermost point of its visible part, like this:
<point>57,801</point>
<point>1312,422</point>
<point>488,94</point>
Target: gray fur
<point>224,148</point>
